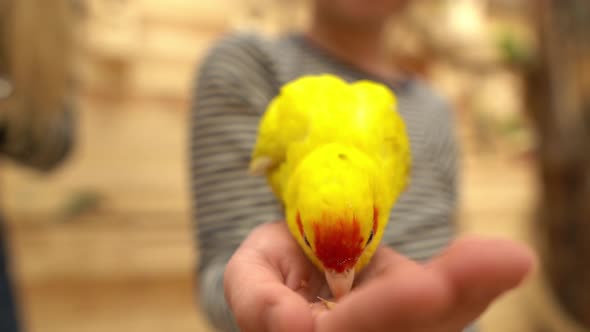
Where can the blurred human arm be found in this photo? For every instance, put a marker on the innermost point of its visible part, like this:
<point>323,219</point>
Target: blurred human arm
<point>232,89</point>
<point>42,143</point>
<point>36,108</point>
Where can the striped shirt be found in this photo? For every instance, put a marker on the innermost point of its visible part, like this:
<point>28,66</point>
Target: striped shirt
<point>235,83</point>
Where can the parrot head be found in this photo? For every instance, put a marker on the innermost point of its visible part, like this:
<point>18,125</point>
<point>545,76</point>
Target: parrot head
<point>337,244</point>
<point>335,217</point>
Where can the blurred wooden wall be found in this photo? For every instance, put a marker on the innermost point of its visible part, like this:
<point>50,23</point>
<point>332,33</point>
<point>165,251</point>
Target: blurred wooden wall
<point>559,100</point>
<point>146,49</point>
<point>104,243</point>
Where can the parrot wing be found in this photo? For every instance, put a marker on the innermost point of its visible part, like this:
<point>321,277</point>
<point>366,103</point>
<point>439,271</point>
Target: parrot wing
<point>316,110</point>
<point>384,134</point>
<point>286,126</point>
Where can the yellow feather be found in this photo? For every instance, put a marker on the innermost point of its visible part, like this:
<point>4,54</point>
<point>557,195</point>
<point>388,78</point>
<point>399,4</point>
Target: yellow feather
<point>334,151</point>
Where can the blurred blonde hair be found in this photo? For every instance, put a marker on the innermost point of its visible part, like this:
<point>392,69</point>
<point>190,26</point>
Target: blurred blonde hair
<point>37,45</point>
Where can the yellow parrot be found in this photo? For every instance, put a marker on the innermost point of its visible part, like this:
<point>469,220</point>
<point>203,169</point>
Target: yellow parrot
<point>337,155</point>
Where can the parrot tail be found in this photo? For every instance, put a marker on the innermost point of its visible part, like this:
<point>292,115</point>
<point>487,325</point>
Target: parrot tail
<point>260,165</point>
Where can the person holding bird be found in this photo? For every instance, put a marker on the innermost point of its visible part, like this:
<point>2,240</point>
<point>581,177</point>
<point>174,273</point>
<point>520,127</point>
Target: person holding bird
<point>353,229</point>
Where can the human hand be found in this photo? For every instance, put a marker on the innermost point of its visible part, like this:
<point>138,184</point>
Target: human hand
<point>270,286</point>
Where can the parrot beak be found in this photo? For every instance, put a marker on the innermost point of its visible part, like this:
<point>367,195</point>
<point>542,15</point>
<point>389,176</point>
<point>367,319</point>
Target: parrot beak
<point>340,283</point>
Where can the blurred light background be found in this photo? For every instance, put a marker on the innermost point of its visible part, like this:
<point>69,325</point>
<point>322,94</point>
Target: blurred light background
<point>105,243</point>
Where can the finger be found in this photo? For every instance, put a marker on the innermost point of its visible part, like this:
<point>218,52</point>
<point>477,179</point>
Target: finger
<point>256,293</point>
<point>447,294</point>
<point>404,295</point>
<point>384,260</point>
<point>318,308</point>
<point>280,249</point>
<point>479,270</point>
<point>259,299</point>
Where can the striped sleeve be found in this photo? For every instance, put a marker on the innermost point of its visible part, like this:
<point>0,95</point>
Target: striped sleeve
<point>233,86</point>
<point>445,151</point>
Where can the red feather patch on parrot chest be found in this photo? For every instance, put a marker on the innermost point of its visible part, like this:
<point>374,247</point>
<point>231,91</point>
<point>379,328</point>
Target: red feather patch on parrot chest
<point>338,244</point>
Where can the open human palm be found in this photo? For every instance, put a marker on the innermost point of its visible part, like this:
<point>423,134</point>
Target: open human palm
<point>271,286</point>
